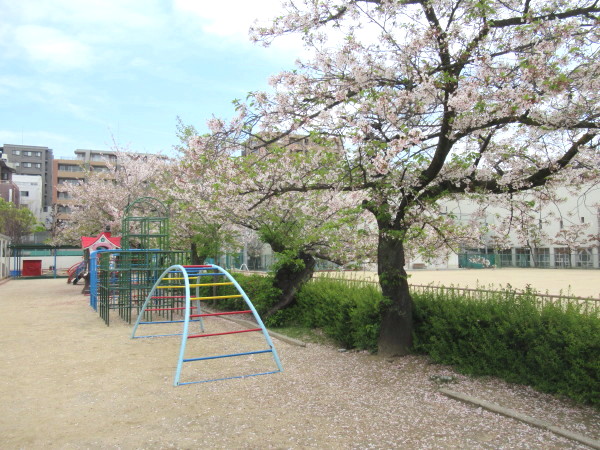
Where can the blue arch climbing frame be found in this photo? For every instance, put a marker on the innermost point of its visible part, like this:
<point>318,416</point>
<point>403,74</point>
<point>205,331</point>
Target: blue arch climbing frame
<point>161,309</point>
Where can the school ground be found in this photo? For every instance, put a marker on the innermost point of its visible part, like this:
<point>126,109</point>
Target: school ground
<point>69,381</point>
<point>576,282</point>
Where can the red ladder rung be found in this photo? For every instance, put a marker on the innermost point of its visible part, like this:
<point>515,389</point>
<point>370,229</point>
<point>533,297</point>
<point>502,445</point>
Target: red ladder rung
<point>220,334</point>
<point>220,313</point>
<point>167,309</point>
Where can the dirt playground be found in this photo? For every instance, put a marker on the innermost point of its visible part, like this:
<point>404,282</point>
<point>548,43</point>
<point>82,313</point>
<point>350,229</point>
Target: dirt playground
<point>574,282</point>
<point>67,381</point>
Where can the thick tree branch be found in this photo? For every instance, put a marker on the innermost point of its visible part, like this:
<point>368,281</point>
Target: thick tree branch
<point>491,186</point>
<point>526,18</point>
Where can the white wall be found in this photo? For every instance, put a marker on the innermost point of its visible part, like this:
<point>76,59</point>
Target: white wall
<point>581,210</point>
<point>62,262</point>
<point>4,256</point>
<point>33,185</point>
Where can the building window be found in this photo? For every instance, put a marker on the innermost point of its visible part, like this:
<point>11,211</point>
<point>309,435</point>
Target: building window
<point>68,180</point>
<point>24,193</point>
<point>583,220</point>
<point>504,258</point>
<point>562,257</point>
<point>585,258</point>
<point>38,165</point>
<point>26,164</point>
<point>69,168</point>
<point>523,257</point>
<point>30,153</point>
<point>542,257</point>
<point>64,195</point>
<point>64,209</point>
<point>16,152</point>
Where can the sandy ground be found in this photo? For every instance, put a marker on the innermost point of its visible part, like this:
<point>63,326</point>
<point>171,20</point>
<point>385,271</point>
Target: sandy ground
<point>577,282</point>
<point>68,381</point>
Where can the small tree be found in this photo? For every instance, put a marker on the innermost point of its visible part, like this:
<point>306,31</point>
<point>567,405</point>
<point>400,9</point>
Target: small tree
<point>102,197</point>
<point>17,222</point>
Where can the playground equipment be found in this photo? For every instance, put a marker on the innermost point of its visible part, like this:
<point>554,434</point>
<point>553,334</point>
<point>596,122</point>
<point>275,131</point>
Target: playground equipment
<point>145,225</point>
<point>120,279</point>
<point>171,301</point>
<point>76,271</point>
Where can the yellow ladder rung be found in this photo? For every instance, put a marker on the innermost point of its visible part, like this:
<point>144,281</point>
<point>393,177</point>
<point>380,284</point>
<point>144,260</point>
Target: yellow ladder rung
<point>215,297</point>
<point>195,285</point>
<point>181,278</point>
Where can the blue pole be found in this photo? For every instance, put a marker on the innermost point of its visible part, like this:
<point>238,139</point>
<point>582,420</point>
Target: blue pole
<point>186,324</point>
<point>255,314</point>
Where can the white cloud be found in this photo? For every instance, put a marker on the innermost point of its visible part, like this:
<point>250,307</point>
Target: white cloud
<point>230,20</point>
<point>53,48</point>
<point>34,137</point>
<point>74,34</point>
<point>9,84</point>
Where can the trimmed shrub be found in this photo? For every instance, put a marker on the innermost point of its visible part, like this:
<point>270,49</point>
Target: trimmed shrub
<point>258,288</point>
<point>553,348</point>
<point>347,312</point>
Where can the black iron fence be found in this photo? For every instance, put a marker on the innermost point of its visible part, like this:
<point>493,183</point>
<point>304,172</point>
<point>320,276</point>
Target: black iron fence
<point>586,305</point>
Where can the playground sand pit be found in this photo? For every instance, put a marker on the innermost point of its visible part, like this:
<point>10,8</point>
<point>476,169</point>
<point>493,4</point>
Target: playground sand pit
<point>69,381</point>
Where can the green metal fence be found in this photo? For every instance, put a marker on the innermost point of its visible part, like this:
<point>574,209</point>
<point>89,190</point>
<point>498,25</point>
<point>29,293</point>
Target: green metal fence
<point>126,276</point>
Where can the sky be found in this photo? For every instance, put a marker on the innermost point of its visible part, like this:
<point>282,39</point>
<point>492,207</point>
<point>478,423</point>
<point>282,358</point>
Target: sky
<point>92,74</point>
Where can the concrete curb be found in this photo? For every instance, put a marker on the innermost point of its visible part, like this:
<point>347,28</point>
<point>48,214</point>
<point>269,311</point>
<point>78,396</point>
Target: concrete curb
<point>593,443</point>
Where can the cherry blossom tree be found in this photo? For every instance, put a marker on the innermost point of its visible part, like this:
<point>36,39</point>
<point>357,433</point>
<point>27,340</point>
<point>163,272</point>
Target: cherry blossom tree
<point>100,200</point>
<point>299,228</point>
<point>426,99</point>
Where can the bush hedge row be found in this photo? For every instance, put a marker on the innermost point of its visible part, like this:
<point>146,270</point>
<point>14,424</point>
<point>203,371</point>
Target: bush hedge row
<point>553,348</point>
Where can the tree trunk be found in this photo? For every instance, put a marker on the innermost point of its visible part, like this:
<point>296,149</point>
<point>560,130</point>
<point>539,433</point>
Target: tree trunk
<point>194,251</point>
<point>395,336</point>
<point>289,279</point>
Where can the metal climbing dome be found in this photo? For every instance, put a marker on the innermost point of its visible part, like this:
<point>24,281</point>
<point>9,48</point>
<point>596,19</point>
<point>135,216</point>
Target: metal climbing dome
<point>145,225</point>
<point>177,298</point>
<point>121,279</point>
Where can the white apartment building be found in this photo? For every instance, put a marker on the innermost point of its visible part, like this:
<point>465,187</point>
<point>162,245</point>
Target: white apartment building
<point>31,188</point>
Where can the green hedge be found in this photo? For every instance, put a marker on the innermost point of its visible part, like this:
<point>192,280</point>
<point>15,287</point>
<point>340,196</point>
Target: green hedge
<point>552,348</point>
<point>347,313</point>
<point>258,288</point>
<point>555,349</point>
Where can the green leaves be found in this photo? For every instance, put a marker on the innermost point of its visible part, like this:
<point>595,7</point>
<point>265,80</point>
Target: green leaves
<point>17,222</point>
<point>551,348</point>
